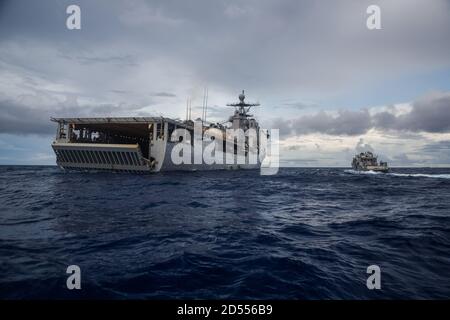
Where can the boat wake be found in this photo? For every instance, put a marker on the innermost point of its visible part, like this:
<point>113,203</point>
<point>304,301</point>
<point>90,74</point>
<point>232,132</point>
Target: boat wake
<point>370,172</point>
<point>410,175</point>
<point>421,175</point>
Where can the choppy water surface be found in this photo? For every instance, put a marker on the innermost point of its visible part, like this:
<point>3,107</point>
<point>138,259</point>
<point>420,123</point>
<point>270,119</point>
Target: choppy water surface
<point>301,234</point>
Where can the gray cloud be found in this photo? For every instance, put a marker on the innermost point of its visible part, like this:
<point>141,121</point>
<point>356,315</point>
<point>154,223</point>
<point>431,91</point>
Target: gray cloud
<point>120,91</point>
<point>121,60</point>
<point>404,159</point>
<point>440,146</point>
<point>164,95</point>
<point>256,44</point>
<point>284,126</point>
<point>363,147</point>
<point>20,118</point>
<point>298,105</point>
<point>346,122</point>
<point>428,114</point>
<point>293,148</point>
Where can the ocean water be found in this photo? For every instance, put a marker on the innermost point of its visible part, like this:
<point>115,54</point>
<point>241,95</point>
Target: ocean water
<point>306,233</point>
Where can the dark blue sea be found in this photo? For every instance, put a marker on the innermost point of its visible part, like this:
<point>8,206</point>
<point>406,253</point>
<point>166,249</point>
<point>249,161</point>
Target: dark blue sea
<point>305,233</point>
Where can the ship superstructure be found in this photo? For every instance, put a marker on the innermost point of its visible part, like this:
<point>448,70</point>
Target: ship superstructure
<point>367,161</point>
<point>145,144</point>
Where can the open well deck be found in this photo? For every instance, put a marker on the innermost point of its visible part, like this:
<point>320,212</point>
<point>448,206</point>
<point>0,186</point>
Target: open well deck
<point>119,144</point>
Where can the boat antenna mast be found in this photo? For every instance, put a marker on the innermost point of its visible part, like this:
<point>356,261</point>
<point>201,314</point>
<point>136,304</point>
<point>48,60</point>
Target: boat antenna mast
<point>242,107</point>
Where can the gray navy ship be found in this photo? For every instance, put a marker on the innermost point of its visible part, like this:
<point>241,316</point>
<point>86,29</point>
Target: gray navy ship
<point>145,144</point>
<point>367,161</point>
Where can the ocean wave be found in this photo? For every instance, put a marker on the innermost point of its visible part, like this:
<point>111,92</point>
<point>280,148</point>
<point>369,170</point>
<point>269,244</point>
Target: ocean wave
<point>303,233</point>
<point>410,175</point>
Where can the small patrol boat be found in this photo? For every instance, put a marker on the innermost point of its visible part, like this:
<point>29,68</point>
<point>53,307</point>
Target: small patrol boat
<point>367,161</point>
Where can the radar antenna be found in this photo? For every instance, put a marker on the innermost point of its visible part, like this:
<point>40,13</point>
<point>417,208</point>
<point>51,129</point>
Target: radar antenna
<point>242,106</point>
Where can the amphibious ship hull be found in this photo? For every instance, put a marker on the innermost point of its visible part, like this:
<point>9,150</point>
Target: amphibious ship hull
<point>141,145</point>
<point>153,144</point>
<point>127,158</point>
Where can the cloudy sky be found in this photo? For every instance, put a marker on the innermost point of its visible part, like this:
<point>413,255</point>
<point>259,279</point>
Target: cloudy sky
<point>332,86</point>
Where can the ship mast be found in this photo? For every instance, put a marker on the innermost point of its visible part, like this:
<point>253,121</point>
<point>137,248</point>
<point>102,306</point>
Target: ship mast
<point>242,107</point>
